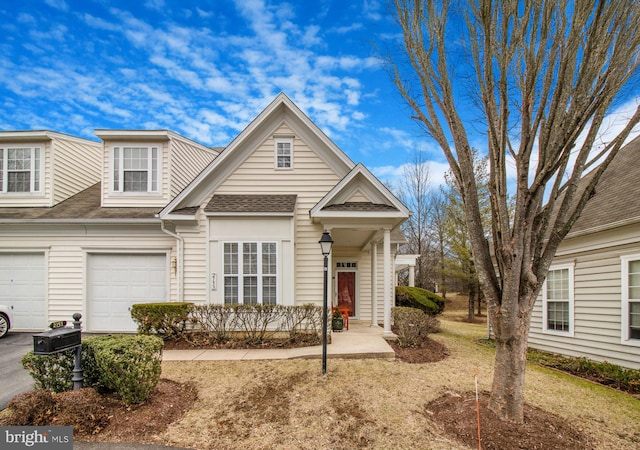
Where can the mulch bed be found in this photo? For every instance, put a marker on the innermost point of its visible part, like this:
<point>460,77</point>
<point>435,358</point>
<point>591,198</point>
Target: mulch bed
<point>457,416</point>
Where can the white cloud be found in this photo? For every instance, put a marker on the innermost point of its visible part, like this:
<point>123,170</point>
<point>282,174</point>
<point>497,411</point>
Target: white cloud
<point>58,4</point>
<point>392,175</point>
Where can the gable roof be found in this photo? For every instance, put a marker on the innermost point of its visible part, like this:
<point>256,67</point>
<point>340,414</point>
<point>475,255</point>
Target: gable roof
<point>617,196</point>
<point>359,183</point>
<point>279,111</point>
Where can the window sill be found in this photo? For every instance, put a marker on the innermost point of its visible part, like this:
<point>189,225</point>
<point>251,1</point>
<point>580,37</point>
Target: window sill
<point>558,333</point>
<point>631,342</point>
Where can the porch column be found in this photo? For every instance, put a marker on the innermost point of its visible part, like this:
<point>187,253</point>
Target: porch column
<point>386,264</point>
<point>412,275</point>
<point>374,284</point>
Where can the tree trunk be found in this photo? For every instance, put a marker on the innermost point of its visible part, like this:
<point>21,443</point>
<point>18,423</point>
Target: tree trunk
<point>511,330</point>
<point>472,301</point>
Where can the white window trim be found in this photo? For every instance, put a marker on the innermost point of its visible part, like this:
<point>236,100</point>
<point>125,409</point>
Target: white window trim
<point>120,190</point>
<point>5,173</point>
<point>241,275</point>
<point>624,300</point>
<point>546,330</point>
<point>280,140</point>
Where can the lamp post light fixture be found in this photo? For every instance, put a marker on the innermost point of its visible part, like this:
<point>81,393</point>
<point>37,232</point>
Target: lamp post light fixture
<point>325,245</point>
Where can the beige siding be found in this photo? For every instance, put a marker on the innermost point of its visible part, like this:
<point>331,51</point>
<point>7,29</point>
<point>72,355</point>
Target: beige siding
<point>76,166</point>
<point>196,280</point>
<point>187,161</point>
<point>597,305</point>
<point>68,246</point>
<point>310,179</point>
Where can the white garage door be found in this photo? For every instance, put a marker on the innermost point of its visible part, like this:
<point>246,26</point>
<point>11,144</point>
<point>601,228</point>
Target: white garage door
<point>117,281</point>
<point>22,289</point>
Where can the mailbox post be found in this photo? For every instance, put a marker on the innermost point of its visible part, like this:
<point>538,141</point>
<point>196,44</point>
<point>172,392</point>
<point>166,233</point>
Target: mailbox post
<point>59,339</point>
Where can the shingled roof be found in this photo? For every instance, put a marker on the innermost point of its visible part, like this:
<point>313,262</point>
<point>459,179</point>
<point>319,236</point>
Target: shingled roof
<point>84,205</point>
<point>617,195</point>
<point>251,204</point>
<point>359,206</point>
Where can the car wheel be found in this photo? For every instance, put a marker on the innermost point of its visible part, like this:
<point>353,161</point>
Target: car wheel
<point>4,325</point>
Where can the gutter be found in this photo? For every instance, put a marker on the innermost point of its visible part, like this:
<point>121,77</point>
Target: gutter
<point>180,262</point>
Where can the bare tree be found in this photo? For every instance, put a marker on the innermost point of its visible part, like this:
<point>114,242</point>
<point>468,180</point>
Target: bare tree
<point>543,76</point>
<point>438,225</point>
<point>461,265</point>
<point>415,192</point>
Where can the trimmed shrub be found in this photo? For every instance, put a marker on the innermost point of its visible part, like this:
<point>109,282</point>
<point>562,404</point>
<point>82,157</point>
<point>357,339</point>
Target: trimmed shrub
<point>51,372</point>
<point>413,326</point>
<point>217,321</point>
<point>414,297</point>
<point>167,320</point>
<point>303,323</point>
<point>128,365</point>
<point>257,322</point>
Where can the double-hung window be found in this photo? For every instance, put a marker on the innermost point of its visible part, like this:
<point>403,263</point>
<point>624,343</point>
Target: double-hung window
<point>557,295</point>
<point>135,168</point>
<point>630,300</point>
<point>250,272</point>
<point>20,169</point>
<point>284,153</point>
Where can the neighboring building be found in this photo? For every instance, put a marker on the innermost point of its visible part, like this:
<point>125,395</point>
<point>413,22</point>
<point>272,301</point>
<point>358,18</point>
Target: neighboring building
<point>147,216</point>
<point>590,302</point>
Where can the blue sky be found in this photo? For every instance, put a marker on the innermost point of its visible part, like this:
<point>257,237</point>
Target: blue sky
<point>205,69</point>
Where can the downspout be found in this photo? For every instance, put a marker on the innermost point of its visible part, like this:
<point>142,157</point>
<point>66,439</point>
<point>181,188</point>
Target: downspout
<point>180,265</point>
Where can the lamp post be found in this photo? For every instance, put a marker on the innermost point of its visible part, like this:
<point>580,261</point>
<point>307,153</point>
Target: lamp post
<point>325,245</point>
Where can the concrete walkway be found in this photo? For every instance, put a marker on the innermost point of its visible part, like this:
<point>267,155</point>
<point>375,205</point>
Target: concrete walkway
<point>361,341</point>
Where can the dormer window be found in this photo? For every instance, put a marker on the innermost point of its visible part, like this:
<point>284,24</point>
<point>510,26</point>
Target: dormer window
<point>20,169</point>
<point>135,168</point>
<point>284,153</point>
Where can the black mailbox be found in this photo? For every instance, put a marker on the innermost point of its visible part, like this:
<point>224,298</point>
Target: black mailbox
<point>56,340</point>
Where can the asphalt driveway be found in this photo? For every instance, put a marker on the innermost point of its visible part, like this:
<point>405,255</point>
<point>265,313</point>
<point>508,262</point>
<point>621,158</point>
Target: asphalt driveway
<point>15,379</point>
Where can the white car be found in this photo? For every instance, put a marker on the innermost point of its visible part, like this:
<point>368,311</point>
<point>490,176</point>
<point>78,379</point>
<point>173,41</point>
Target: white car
<point>5,321</point>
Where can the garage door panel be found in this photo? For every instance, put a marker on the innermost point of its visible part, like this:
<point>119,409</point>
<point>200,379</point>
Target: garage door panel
<point>23,289</point>
<point>116,282</point>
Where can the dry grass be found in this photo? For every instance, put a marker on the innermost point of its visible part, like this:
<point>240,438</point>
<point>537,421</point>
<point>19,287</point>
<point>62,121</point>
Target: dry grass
<point>372,403</point>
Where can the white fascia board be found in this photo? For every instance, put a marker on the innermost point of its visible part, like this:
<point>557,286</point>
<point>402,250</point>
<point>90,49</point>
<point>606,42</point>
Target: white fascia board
<point>147,135</point>
<point>42,136</point>
<point>620,223</point>
<point>179,217</point>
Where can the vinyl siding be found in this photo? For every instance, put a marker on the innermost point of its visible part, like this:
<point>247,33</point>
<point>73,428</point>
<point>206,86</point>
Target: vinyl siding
<point>66,248</point>
<point>76,166</point>
<point>196,272</point>
<point>597,301</point>
<point>187,161</point>
<point>310,179</point>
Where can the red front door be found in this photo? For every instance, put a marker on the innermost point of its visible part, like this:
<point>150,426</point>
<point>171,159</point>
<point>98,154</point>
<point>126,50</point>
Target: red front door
<point>347,291</point>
